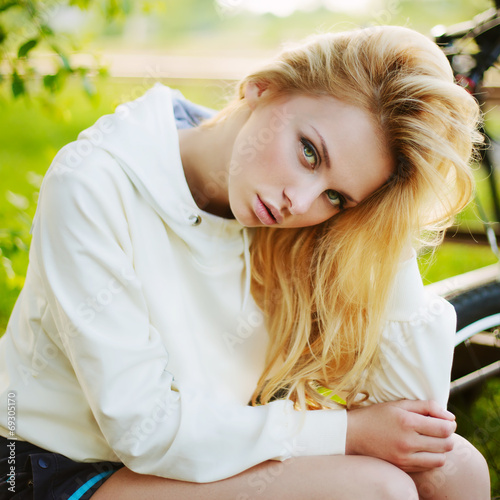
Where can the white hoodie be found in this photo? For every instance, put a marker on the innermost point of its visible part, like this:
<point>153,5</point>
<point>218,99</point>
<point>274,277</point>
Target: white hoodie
<point>134,338</point>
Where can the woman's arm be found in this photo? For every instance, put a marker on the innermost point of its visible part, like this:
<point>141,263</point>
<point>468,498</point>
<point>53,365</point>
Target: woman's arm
<point>414,435</point>
<point>406,422</point>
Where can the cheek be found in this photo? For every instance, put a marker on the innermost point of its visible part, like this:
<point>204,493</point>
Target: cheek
<point>277,163</point>
<point>243,155</point>
<point>319,213</point>
<point>265,158</point>
<point>313,217</point>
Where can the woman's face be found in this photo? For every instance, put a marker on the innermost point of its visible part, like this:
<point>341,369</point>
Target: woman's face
<point>299,160</point>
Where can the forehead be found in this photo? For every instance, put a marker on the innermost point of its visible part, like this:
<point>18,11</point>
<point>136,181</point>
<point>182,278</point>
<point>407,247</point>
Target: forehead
<point>337,118</point>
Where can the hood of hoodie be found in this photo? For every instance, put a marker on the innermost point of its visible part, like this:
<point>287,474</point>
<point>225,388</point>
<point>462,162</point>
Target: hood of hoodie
<point>141,135</point>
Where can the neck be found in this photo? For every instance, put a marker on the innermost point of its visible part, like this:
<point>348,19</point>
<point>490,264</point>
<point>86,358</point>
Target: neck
<point>206,156</point>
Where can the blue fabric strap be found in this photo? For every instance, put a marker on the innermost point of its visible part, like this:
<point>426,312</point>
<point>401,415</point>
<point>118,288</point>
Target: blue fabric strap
<point>86,487</point>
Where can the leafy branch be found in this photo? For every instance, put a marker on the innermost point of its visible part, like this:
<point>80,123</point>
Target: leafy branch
<point>26,26</point>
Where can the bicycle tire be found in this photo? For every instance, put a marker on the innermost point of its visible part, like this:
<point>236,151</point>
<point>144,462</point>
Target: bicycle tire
<point>478,312</point>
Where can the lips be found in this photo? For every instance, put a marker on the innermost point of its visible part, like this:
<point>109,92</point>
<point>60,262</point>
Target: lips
<point>274,212</point>
<point>264,213</point>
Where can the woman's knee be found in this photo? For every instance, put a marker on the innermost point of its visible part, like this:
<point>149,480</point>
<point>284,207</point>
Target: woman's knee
<point>465,472</point>
<point>368,478</point>
<point>342,478</point>
<point>391,483</point>
<point>317,478</point>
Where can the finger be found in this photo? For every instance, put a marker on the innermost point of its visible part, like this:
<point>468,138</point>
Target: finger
<point>428,408</point>
<point>434,427</point>
<point>425,460</point>
<point>410,470</point>
<point>426,444</point>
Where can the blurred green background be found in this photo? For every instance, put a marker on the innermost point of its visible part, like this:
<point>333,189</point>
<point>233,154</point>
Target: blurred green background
<point>56,101</point>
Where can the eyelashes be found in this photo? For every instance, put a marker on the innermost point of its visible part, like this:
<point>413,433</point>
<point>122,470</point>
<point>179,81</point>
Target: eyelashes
<point>313,160</point>
<point>335,198</point>
<point>310,154</point>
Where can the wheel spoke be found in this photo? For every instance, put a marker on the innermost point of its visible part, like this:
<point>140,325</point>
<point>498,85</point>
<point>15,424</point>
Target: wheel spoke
<point>475,377</point>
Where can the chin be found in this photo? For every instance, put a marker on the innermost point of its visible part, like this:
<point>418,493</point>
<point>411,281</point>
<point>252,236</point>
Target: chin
<point>244,217</point>
<point>247,222</point>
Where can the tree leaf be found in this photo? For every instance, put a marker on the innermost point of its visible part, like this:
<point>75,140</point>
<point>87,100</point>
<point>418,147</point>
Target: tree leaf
<point>3,34</point>
<point>54,83</point>
<point>50,82</point>
<point>46,30</point>
<point>88,86</point>
<point>65,61</point>
<point>103,71</point>
<point>26,47</point>
<point>8,5</point>
<point>17,86</point>
<point>82,4</point>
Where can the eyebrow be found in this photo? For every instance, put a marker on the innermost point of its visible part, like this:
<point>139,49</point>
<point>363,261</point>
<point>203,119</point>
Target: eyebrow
<point>328,164</point>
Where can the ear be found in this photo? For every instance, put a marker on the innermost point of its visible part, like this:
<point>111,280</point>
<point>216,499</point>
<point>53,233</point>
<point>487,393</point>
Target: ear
<point>253,92</point>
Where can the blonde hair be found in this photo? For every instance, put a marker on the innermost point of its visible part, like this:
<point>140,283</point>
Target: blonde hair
<point>324,289</point>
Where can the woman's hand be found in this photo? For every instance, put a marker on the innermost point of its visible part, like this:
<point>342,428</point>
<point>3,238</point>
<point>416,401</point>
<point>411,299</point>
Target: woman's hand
<point>413,435</point>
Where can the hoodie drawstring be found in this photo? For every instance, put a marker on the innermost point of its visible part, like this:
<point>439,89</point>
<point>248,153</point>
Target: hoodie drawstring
<point>248,279</point>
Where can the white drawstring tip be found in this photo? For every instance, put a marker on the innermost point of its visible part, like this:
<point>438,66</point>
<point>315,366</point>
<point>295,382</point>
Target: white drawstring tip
<point>248,277</point>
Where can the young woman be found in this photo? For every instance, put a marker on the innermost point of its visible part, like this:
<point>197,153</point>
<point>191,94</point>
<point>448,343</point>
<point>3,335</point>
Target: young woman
<point>201,285</point>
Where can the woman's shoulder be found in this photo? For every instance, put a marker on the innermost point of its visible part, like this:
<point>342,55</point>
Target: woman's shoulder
<point>409,297</point>
<point>118,146</point>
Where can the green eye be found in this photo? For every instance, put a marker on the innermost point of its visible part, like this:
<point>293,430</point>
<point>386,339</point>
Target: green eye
<point>309,152</point>
<point>334,198</point>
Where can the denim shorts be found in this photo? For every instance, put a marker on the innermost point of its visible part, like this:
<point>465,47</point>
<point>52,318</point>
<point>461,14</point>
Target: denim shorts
<point>30,472</point>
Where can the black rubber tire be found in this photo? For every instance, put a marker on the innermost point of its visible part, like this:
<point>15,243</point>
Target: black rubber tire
<point>476,304</point>
<point>471,306</point>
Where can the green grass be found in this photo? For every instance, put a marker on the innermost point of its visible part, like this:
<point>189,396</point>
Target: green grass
<point>485,415</point>
<point>479,422</point>
<point>451,259</point>
<point>32,132</point>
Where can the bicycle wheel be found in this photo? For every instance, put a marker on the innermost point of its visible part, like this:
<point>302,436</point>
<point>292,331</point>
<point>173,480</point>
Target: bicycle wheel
<point>477,351</point>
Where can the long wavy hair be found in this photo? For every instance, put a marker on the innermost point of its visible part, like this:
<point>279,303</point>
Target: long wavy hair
<point>324,289</point>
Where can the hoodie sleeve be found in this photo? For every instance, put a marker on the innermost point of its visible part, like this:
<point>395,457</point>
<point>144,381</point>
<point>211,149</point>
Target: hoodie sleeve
<point>416,350</point>
<point>154,425</point>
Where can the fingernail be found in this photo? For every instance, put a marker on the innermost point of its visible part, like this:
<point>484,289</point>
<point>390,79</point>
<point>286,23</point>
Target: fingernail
<point>449,414</point>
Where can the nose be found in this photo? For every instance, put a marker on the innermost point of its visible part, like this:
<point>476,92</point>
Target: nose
<point>300,198</point>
